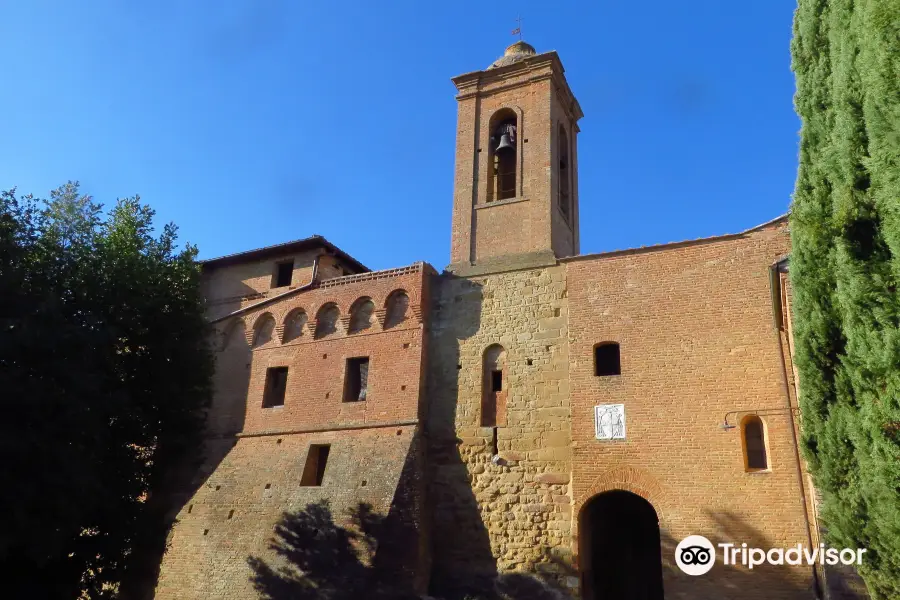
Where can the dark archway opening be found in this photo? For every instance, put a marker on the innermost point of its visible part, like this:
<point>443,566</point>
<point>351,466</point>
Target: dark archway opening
<point>619,550</point>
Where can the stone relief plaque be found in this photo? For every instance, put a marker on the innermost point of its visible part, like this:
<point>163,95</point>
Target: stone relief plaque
<point>609,421</point>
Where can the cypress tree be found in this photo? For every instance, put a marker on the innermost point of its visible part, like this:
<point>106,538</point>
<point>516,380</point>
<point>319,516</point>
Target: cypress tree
<point>845,265</point>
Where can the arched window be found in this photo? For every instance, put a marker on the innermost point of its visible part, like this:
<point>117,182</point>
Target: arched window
<point>295,324</point>
<point>362,314</point>
<point>503,144</point>
<point>564,173</point>
<point>494,387</point>
<point>326,320</point>
<point>263,330</point>
<point>607,360</point>
<point>231,380</point>
<point>753,431</point>
<point>397,307</point>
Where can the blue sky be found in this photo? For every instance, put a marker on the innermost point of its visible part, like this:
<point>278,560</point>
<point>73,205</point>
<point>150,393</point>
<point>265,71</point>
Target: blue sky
<point>253,122</point>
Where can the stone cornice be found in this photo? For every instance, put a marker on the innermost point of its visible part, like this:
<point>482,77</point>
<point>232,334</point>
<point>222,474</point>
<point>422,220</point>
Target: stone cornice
<point>501,87</point>
<point>537,68</point>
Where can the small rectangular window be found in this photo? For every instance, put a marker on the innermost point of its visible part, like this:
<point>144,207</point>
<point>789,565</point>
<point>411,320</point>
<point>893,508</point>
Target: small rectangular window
<point>316,460</point>
<point>276,386</point>
<point>284,274</point>
<point>496,381</point>
<point>606,360</point>
<point>357,379</point>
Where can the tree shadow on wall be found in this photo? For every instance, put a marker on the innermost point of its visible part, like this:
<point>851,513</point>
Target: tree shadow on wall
<point>318,558</point>
<point>465,567</point>
<point>525,586</point>
<point>321,559</point>
<point>463,562</point>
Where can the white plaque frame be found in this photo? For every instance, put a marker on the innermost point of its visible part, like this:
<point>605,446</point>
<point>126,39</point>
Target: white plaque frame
<point>609,421</point>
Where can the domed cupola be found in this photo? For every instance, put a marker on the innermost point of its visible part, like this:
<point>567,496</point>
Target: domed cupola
<point>515,53</point>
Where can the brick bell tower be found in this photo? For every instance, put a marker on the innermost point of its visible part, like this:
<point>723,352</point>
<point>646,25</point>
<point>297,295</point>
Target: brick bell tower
<point>515,201</point>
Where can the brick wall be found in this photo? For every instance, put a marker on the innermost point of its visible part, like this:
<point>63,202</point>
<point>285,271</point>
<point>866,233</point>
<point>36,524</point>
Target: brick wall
<point>316,367</point>
<point>502,505</point>
<point>565,230</point>
<point>232,518</point>
<point>220,545</point>
<point>697,338</point>
<point>528,223</point>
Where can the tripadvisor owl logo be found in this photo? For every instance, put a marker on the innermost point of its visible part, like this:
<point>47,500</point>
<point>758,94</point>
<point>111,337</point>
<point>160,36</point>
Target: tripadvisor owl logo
<point>695,555</point>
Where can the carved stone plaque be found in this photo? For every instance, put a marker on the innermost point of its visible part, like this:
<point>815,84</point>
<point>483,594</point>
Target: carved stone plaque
<point>609,421</point>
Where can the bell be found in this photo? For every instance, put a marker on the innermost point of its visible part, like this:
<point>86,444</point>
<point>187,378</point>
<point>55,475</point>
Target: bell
<point>505,143</point>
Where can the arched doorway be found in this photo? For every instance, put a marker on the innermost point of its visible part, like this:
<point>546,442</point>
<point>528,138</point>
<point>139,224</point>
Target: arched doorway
<point>619,548</point>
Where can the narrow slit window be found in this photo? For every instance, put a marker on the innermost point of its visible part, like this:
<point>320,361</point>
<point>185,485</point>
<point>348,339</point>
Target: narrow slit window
<point>564,172</point>
<point>276,386</point>
<point>755,444</point>
<point>316,461</point>
<point>284,273</point>
<point>607,360</point>
<point>357,379</point>
<point>496,381</point>
<point>493,398</point>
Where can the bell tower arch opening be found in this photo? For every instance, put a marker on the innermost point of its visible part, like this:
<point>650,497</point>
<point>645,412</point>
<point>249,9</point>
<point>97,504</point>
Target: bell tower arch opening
<point>619,548</point>
<point>502,172</point>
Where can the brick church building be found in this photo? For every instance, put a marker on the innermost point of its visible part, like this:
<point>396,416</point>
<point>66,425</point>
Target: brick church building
<point>529,422</point>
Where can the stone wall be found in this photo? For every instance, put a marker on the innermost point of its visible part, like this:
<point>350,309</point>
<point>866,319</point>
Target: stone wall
<point>512,513</point>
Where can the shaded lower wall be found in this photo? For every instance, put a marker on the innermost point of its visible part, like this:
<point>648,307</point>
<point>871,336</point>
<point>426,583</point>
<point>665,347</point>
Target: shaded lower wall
<point>252,531</point>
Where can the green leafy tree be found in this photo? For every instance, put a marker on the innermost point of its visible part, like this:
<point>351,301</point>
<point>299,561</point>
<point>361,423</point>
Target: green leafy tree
<point>105,371</point>
<point>845,265</point>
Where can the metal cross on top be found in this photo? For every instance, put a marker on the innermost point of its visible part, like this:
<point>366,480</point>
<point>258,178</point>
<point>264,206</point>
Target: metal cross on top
<point>518,29</point>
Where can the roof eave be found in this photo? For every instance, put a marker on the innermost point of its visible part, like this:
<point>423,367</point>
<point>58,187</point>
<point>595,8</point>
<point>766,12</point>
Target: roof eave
<point>314,241</point>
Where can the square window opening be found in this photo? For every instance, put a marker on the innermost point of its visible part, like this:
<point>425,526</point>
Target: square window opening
<point>316,461</point>
<point>276,386</point>
<point>607,360</point>
<point>284,273</point>
<point>357,379</point>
